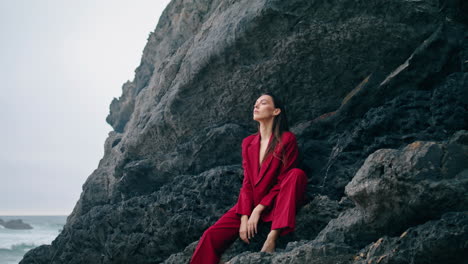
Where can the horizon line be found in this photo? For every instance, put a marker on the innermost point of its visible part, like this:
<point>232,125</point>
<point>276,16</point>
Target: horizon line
<point>36,215</point>
<point>6,213</point>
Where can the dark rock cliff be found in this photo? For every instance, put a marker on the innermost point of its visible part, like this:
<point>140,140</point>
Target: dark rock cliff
<point>376,92</point>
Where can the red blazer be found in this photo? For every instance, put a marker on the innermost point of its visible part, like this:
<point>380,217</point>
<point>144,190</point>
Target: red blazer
<point>261,185</point>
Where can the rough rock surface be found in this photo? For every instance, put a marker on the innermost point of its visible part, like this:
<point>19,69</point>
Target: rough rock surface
<point>437,241</point>
<point>395,189</point>
<point>367,85</point>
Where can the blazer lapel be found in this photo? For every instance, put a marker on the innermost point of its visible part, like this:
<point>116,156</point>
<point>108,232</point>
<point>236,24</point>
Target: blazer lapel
<point>254,153</point>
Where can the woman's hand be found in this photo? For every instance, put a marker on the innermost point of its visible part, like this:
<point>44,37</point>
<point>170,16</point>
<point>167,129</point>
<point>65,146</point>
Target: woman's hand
<point>252,222</point>
<point>243,229</point>
<point>248,226</point>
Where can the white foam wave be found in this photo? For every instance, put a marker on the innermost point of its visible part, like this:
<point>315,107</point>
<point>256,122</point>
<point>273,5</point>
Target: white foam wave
<point>9,239</point>
<point>15,243</point>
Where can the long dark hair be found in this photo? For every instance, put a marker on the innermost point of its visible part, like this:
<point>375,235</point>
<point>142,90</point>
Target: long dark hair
<point>280,125</point>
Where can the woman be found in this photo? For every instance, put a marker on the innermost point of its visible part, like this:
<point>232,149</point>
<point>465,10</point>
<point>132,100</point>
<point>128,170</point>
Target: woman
<point>272,188</point>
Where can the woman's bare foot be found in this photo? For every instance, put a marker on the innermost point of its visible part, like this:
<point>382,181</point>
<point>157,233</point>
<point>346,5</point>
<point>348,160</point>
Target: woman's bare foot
<point>270,242</point>
<point>269,246</point>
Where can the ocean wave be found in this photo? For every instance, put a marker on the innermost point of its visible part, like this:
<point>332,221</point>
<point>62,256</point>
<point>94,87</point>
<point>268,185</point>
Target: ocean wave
<point>15,241</point>
<point>20,247</point>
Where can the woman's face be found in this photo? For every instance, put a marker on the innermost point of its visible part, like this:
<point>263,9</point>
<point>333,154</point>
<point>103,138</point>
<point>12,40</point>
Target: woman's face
<point>264,108</point>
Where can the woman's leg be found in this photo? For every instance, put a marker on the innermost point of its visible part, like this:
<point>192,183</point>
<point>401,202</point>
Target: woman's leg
<point>289,198</point>
<point>217,238</point>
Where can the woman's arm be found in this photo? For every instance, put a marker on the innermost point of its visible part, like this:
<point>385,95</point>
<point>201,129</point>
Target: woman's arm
<point>291,154</point>
<point>245,200</point>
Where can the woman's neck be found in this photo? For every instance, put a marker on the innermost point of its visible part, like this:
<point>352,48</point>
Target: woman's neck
<point>266,129</point>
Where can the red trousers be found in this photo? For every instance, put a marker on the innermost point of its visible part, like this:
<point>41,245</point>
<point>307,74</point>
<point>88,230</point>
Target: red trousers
<point>220,236</point>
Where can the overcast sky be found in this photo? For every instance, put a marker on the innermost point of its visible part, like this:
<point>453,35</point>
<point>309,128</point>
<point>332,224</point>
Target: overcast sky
<point>62,62</point>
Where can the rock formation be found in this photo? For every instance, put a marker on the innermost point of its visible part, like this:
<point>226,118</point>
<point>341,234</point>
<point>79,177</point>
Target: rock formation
<point>376,93</point>
<point>15,224</point>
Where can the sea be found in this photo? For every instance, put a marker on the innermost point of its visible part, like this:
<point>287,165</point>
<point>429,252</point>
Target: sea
<point>15,243</point>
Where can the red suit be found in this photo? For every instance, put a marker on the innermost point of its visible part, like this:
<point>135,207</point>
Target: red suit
<point>279,187</point>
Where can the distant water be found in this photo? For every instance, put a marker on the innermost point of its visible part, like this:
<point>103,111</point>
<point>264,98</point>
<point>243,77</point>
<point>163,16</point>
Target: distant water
<point>15,243</point>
